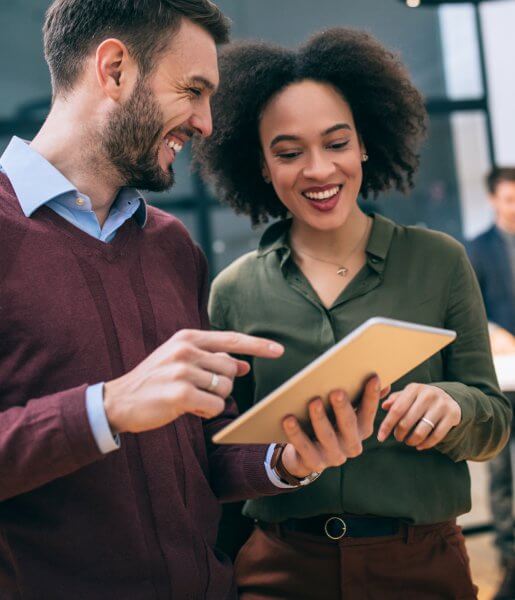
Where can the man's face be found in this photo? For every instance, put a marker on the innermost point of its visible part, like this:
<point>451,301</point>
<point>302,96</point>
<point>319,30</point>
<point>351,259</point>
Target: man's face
<point>503,202</point>
<point>144,134</point>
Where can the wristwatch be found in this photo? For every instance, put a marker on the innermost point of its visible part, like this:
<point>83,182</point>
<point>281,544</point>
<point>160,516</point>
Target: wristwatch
<point>276,464</point>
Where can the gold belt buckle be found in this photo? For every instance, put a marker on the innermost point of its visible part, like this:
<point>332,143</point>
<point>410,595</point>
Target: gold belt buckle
<point>343,525</point>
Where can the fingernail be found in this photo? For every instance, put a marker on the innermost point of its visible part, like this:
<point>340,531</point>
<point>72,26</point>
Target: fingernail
<point>276,348</point>
<point>319,406</point>
<point>380,436</point>
<point>337,396</point>
<point>289,422</point>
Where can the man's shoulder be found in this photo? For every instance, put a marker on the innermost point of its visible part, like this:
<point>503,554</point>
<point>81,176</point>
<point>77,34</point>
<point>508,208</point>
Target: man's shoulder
<point>158,219</point>
<point>167,228</point>
<point>484,247</point>
<point>485,238</point>
<point>10,209</point>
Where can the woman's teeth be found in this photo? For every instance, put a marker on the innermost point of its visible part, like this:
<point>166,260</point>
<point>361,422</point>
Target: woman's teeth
<point>175,146</point>
<point>322,195</point>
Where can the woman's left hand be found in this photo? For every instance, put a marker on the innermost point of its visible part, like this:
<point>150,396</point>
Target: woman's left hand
<point>420,415</point>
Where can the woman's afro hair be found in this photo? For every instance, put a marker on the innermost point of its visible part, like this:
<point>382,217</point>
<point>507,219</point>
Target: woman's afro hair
<point>388,111</point>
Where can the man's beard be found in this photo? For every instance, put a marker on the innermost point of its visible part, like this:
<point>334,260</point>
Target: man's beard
<point>132,139</point>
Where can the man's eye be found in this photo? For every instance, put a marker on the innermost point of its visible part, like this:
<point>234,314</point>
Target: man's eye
<point>196,92</point>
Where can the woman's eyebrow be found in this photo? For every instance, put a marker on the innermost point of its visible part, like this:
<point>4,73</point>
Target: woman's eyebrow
<point>283,138</point>
<point>295,138</point>
<point>337,127</point>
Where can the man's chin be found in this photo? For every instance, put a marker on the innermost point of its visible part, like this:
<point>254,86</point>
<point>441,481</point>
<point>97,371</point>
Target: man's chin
<point>154,183</point>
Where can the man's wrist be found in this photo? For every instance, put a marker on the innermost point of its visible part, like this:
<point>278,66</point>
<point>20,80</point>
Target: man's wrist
<point>284,475</point>
<point>105,439</point>
<point>110,406</point>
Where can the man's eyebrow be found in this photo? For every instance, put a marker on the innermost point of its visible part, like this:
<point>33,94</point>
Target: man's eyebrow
<point>206,83</point>
<point>295,138</point>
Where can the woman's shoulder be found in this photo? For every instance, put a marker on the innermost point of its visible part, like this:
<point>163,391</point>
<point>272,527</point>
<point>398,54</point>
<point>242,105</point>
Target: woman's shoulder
<point>242,270</point>
<point>438,243</point>
<point>230,291</point>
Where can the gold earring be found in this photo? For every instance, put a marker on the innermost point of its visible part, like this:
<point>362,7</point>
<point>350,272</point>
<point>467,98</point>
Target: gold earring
<point>364,157</point>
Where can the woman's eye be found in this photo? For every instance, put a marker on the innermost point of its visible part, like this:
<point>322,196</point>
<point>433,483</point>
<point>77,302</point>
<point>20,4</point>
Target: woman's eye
<point>288,155</point>
<point>338,145</point>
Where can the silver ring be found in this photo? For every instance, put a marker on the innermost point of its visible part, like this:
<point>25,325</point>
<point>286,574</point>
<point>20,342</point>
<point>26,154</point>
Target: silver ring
<point>430,423</point>
<point>215,380</point>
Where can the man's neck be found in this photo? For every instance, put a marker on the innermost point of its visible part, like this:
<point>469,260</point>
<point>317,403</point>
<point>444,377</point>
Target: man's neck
<point>504,227</point>
<point>63,141</point>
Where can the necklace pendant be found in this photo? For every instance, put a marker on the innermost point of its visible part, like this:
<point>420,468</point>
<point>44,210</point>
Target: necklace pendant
<point>342,271</point>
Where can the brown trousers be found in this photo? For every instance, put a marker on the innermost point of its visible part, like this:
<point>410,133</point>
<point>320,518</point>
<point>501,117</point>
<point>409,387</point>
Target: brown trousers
<point>425,562</point>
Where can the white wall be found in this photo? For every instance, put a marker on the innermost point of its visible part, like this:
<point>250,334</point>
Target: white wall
<point>462,73</point>
<point>499,33</point>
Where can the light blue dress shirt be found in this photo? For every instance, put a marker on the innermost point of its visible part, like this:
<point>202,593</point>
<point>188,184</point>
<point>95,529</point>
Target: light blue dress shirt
<point>36,183</point>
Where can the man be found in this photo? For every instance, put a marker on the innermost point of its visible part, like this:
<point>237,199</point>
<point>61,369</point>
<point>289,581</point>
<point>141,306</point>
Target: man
<point>493,257</point>
<point>110,387</point>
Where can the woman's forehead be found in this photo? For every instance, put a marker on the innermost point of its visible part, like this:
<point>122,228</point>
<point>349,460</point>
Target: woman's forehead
<point>305,106</point>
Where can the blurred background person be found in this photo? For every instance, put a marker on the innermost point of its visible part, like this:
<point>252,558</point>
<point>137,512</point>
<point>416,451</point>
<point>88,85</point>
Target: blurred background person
<point>493,256</point>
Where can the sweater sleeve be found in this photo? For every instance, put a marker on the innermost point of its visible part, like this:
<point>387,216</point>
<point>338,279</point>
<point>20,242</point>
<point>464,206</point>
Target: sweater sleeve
<point>237,472</point>
<point>470,376</point>
<point>46,438</point>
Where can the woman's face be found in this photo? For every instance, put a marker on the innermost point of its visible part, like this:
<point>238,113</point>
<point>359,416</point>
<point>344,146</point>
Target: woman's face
<point>312,153</point>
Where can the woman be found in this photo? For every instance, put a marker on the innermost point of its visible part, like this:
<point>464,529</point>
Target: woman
<point>299,136</point>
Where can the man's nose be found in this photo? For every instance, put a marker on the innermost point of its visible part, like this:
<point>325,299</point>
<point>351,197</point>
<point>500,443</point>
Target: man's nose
<point>202,121</point>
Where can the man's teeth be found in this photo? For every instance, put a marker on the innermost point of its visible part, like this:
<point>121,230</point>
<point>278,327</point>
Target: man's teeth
<point>175,146</point>
<point>322,195</point>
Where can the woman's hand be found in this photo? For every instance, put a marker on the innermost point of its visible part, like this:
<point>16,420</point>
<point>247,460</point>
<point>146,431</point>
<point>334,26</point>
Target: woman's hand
<point>333,444</point>
<point>420,415</point>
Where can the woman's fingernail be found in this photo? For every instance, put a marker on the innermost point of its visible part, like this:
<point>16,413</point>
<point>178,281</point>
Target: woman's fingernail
<point>276,348</point>
<point>290,422</point>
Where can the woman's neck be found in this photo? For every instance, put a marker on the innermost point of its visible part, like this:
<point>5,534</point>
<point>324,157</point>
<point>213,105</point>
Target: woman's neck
<point>333,244</point>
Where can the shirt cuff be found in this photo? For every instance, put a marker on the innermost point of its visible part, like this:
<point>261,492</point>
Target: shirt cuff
<point>271,474</point>
<point>98,422</point>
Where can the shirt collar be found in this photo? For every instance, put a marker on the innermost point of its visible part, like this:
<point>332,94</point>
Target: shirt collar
<point>276,239</point>
<point>46,183</point>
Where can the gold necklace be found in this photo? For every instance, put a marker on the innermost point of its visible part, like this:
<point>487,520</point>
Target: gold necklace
<point>341,270</point>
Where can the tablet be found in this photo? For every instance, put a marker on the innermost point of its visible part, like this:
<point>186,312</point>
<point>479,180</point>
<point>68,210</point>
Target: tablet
<point>380,346</point>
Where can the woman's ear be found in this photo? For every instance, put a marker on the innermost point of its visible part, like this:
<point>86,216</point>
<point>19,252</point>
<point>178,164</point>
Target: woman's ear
<point>265,171</point>
<point>364,153</point>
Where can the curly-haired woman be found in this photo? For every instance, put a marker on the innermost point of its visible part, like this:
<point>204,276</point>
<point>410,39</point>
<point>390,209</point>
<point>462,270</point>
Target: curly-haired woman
<point>299,135</point>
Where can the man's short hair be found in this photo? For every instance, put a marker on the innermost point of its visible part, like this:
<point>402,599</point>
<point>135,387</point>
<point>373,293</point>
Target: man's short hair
<point>73,28</point>
<point>497,175</point>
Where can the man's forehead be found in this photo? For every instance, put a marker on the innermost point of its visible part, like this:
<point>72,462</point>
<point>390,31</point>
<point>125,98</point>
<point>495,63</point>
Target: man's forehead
<point>193,52</point>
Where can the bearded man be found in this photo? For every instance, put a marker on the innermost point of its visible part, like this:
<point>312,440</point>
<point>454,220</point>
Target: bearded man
<point>111,386</point>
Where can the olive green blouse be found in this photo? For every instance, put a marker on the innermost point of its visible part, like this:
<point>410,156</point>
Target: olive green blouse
<point>411,274</point>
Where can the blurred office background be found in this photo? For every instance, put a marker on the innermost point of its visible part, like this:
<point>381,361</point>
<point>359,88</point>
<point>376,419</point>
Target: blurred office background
<point>450,50</point>
<point>460,55</point>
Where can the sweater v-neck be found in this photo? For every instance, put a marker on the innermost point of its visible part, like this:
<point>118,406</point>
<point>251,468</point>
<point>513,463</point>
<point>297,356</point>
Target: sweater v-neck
<point>84,243</point>
<point>80,241</point>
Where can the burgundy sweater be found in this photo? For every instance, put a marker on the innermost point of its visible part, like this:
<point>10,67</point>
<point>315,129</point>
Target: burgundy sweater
<point>138,523</point>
